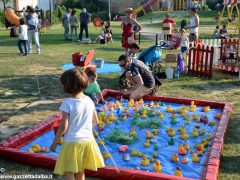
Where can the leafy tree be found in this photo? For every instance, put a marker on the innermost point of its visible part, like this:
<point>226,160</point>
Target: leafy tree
<point>5,3</point>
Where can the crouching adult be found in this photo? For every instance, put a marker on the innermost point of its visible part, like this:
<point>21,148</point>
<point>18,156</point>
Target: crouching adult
<point>139,75</point>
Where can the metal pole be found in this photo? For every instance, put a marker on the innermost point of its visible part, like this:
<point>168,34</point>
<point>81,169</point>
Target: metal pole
<point>50,9</point>
<point>109,10</point>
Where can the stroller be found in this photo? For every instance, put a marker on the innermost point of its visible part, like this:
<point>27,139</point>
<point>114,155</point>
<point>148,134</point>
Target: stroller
<point>149,57</point>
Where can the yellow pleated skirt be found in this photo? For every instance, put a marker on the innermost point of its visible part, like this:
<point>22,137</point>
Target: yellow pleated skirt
<point>77,156</point>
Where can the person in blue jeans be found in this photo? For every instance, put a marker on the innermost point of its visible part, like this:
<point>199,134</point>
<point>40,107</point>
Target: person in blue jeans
<point>23,38</point>
<point>84,21</point>
<point>32,21</point>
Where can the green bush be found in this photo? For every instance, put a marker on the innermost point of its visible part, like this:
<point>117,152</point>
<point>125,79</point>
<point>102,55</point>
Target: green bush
<point>2,21</point>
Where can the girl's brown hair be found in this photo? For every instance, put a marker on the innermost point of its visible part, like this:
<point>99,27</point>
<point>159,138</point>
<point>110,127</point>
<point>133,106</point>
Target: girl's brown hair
<point>74,81</point>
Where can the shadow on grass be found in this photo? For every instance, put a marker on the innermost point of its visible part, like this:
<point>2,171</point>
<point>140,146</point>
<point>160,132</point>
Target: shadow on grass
<point>225,164</point>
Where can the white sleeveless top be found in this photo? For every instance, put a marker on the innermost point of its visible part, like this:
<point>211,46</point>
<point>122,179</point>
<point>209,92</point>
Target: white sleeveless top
<point>80,118</point>
<point>193,23</point>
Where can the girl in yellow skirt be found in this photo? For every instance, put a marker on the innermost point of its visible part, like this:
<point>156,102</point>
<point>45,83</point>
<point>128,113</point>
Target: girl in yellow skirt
<point>79,150</point>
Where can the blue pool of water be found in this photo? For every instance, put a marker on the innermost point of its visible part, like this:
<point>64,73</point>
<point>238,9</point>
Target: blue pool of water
<point>164,152</point>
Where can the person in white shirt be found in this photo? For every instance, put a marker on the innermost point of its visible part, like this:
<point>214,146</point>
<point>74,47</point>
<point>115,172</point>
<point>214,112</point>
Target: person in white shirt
<point>23,38</point>
<point>79,150</point>
<point>184,40</point>
<point>32,21</point>
<point>194,25</point>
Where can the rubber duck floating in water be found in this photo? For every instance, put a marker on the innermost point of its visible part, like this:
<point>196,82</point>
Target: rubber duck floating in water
<point>145,161</point>
<point>175,158</point>
<point>148,135</point>
<point>144,114</point>
<point>169,109</point>
<point>195,158</point>
<point>184,160</point>
<point>155,131</point>
<point>160,115</point>
<point>178,172</point>
<point>132,133</point>
<point>181,149</point>
<point>101,142</point>
<point>106,155</point>
<point>206,109</point>
<point>195,133</point>
<point>192,107</point>
<point>157,166</point>
<point>147,143</point>
<point>170,132</point>
<point>112,117</point>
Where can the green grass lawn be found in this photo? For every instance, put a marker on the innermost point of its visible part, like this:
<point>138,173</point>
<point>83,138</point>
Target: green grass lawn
<point>20,95</point>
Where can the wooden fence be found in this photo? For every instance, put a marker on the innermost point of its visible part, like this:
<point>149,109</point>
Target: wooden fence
<point>200,60</point>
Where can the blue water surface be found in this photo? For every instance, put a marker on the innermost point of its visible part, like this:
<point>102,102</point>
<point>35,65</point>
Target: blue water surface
<point>106,69</point>
<point>165,151</point>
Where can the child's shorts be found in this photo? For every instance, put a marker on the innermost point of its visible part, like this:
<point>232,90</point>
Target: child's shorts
<point>77,156</point>
<point>183,49</point>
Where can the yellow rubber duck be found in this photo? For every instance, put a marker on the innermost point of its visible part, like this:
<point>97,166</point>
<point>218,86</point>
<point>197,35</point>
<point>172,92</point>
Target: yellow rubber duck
<point>118,104</point>
<point>184,136</point>
<point>171,132</point>
<point>208,137</point>
<point>151,104</point>
<point>95,133</point>
<point>169,109</point>
<point>155,131</point>
<point>202,131</point>
<point>157,166</point>
<point>112,117</point>
<point>178,172</point>
<point>139,154</point>
<point>133,152</point>
<point>106,155</point>
<point>192,106</point>
<point>151,160</point>
<point>175,158</point>
<point>183,113</point>
<point>132,133</point>
<point>144,114</point>
<point>101,125</point>
<point>123,117</point>
<point>195,133</point>
<point>195,158</point>
<point>147,143</point>
<point>182,129</point>
<point>31,150</point>
<point>204,142</point>
<point>207,109</point>
<point>161,115</point>
<point>101,142</point>
<point>148,135</point>
<point>195,116</point>
<point>181,149</point>
<point>145,161</point>
<point>154,155</point>
<point>136,109</point>
<point>108,122</point>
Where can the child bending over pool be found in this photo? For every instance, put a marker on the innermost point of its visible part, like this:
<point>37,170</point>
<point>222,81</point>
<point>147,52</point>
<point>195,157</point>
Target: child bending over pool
<point>79,150</point>
<point>93,90</point>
